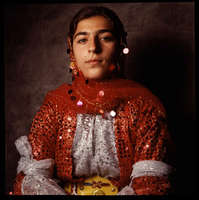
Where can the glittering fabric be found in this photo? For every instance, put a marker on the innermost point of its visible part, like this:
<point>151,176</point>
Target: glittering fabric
<point>139,125</point>
<point>27,164</point>
<point>40,185</point>
<point>94,151</point>
<point>18,183</point>
<point>150,168</point>
<point>38,174</point>
<point>127,190</point>
<point>152,185</point>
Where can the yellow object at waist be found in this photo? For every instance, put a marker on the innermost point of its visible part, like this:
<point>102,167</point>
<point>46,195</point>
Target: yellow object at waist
<point>95,185</point>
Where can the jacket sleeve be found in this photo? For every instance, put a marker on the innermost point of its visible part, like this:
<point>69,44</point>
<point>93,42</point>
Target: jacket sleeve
<point>151,167</point>
<point>35,167</point>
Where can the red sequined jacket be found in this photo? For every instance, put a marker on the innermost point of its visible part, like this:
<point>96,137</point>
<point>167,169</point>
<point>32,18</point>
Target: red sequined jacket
<point>140,130</point>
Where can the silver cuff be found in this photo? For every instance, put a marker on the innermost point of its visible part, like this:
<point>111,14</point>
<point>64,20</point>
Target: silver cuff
<point>150,168</point>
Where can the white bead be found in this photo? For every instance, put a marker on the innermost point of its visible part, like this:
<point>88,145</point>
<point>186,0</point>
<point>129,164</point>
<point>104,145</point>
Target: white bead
<point>112,113</point>
<point>126,50</point>
<point>79,103</point>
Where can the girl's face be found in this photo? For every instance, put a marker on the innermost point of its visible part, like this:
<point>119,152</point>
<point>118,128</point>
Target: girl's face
<point>94,47</point>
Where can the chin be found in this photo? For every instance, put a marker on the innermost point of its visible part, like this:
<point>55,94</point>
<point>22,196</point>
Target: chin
<point>95,76</point>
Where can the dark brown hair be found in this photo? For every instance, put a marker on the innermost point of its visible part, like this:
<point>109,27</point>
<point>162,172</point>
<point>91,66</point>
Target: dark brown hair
<point>86,12</point>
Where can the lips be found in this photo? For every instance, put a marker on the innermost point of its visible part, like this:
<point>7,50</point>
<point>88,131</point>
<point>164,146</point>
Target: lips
<point>94,61</point>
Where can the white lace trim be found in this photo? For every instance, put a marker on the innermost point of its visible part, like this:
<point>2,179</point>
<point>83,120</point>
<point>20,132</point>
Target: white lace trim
<point>127,190</point>
<point>38,173</point>
<point>150,168</point>
<point>94,151</point>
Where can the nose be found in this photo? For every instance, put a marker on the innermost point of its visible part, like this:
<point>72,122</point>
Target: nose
<point>94,46</point>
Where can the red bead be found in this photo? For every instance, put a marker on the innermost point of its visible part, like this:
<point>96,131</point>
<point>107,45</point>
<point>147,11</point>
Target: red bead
<point>101,93</point>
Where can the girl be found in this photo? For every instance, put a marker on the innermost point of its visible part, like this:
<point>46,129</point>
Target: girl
<point>101,135</point>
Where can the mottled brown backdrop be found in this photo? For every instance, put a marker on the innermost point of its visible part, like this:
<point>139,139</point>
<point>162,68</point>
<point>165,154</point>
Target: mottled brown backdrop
<point>161,42</point>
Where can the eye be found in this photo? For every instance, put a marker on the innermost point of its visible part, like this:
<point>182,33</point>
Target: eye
<point>82,41</point>
<point>107,38</point>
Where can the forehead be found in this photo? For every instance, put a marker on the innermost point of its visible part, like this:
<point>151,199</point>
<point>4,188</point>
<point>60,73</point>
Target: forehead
<point>93,24</point>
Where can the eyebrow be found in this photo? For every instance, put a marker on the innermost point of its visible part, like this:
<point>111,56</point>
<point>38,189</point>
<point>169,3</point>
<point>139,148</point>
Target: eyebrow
<point>98,32</point>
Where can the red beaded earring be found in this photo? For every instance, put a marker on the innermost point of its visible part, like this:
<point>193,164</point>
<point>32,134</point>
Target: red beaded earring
<point>112,67</point>
<point>73,66</point>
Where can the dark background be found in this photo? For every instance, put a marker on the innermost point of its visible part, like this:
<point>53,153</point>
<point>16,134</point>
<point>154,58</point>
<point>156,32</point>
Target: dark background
<point>161,42</point>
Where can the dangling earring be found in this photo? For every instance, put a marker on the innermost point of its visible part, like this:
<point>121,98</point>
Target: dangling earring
<point>112,67</point>
<point>118,67</point>
<point>124,49</point>
<point>73,66</point>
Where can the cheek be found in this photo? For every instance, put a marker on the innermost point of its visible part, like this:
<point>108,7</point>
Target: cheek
<point>80,58</point>
<point>79,55</point>
<point>110,53</point>
<point>111,49</point>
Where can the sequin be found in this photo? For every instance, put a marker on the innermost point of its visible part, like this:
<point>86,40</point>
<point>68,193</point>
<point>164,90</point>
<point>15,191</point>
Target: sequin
<point>101,93</point>
<point>101,111</point>
<point>69,118</point>
<point>79,103</point>
<point>113,113</point>
<point>69,130</point>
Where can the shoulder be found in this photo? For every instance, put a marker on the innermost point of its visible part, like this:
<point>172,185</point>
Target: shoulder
<point>59,94</point>
<point>140,97</point>
<point>134,90</point>
<point>60,91</point>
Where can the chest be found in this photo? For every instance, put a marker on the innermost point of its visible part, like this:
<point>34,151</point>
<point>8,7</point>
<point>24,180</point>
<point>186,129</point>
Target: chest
<point>71,123</point>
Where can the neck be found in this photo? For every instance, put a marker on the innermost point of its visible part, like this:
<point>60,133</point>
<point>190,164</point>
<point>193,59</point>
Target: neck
<point>80,79</point>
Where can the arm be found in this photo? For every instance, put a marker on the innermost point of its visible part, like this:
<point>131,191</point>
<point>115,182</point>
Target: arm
<point>35,167</point>
<point>150,175</point>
